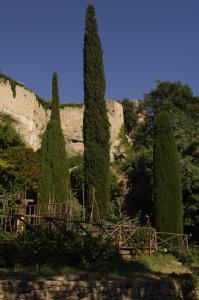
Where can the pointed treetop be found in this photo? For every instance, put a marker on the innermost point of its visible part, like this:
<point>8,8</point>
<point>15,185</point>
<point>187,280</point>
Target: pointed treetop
<point>90,2</point>
<point>55,98</point>
<point>90,12</point>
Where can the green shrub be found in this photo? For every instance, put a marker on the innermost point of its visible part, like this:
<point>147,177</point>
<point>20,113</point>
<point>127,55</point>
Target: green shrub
<point>187,257</point>
<point>55,249</point>
<point>189,283</point>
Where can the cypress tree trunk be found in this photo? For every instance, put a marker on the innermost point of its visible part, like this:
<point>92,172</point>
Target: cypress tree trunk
<point>95,125</point>
<point>166,176</point>
<point>54,180</point>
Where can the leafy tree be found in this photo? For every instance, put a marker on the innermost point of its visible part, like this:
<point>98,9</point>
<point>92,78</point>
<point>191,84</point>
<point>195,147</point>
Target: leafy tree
<point>8,136</point>
<point>171,97</point>
<point>140,177</point>
<point>95,125</point>
<point>23,171</point>
<point>183,109</point>
<point>19,165</point>
<point>54,180</point>
<point>166,175</point>
<point>77,176</point>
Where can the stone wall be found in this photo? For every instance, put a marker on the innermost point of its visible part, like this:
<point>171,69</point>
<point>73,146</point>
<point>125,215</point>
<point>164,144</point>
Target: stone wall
<point>30,118</point>
<point>74,289</point>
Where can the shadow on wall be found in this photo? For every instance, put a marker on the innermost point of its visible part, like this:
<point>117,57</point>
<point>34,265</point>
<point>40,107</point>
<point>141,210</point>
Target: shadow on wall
<point>73,287</point>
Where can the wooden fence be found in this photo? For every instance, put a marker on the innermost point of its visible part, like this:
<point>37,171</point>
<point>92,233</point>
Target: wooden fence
<point>55,215</point>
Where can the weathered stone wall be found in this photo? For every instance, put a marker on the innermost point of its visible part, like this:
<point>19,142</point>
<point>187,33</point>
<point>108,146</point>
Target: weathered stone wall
<point>74,289</point>
<point>30,118</point>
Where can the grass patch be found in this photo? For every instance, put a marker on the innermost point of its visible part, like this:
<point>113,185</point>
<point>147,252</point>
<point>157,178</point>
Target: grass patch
<point>164,263</point>
<point>71,104</point>
<point>158,265</point>
<point>47,104</point>
<point>122,270</point>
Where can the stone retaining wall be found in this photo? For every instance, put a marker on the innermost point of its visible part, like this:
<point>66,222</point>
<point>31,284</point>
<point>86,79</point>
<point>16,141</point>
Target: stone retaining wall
<point>73,289</point>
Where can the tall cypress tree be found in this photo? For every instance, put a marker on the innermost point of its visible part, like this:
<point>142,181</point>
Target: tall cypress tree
<point>166,176</point>
<point>54,180</point>
<point>95,125</point>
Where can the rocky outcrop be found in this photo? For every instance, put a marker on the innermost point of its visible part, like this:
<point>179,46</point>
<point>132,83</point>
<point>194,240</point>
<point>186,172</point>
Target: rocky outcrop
<point>30,118</point>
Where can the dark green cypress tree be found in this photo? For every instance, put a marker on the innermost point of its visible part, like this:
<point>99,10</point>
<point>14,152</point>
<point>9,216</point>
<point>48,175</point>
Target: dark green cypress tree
<point>96,125</point>
<point>55,115</point>
<point>166,176</point>
<point>54,179</point>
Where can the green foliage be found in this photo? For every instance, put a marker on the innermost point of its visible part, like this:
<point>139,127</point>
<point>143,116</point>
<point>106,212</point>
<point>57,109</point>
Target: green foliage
<point>75,161</point>
<point>95,125</point>
<point>77,177</point>
<point>130,115</point>
<point>190,182</point>
<point>167,185</point>
<point>118,213</point>
<point>171,97</point>
<point>116,188</point>
<point>189,257</point>
<point>138,165</point>
<point>13,83</point>
<point>140,181</point>
<point>77,210</point>
<point>54,180</point>
<point>125,155</point>
<point>189,283</point>
<point>44,103</point>
<point>71,104</point>
<point>56,249</point>
<point>140,241</point>
<point>11,201</point>
<point>4,78</point>
<point>21,174</point>
<point>48,104</point>
<point>186,258</point>
<point>183,108</point>
<point>55,99</point>
<point>15,172</point>
<point>8,136</point>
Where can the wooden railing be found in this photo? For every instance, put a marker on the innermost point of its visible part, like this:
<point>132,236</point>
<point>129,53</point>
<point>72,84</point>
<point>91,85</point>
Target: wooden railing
<point>168,241</point>
<point>125,236</point>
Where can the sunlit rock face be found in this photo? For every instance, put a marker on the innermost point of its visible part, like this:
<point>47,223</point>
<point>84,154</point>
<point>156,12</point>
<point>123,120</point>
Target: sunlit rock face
<point>30,118</point>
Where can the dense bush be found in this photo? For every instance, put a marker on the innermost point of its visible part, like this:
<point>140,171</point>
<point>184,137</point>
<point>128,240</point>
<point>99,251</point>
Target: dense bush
<point>41,247</point>
<point>15,173</point>
<point>189,283</point>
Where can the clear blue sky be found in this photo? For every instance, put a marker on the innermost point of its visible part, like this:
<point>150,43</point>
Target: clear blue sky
<point>143,40</point>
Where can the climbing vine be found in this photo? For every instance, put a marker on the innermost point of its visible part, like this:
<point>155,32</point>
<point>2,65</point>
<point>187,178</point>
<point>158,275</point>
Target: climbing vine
<point>4,79</point>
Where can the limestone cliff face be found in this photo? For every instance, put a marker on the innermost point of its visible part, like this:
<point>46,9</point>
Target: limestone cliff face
<point>30,119</point>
